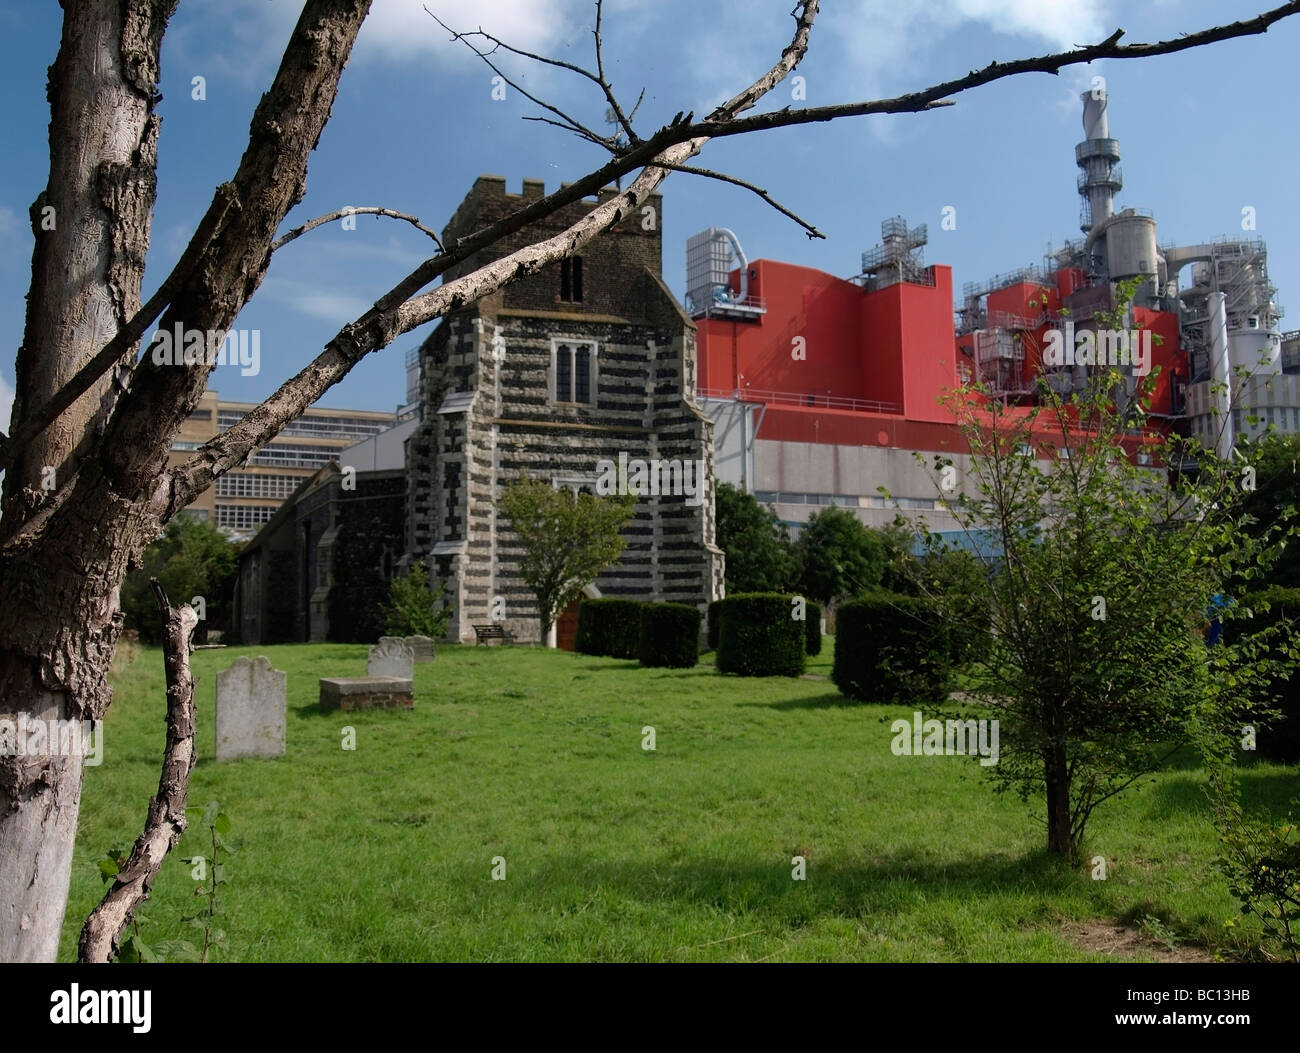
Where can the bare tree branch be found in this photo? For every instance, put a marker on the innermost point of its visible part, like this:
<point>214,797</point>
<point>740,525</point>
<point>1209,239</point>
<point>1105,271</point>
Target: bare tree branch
<point>165,822</point>
<point>127,336</point>
<point>608,88</point>
<point>928,98</point>
<point>360,210</point>
<point>585,135</point>
<point>708,173</point>
<point>572,123</point>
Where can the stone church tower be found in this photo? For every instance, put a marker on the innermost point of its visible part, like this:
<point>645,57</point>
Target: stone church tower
<point>582,363</point>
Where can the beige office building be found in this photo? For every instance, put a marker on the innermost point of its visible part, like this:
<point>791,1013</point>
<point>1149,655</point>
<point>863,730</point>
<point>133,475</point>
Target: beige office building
<point>243,499</point>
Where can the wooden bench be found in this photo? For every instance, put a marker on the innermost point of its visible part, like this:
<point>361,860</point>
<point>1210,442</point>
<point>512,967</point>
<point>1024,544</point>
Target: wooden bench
<point>493,631</point>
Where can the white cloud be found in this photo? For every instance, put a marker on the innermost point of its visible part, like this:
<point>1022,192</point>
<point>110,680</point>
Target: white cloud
<point>867,49</point>
<point>1061,25</point>
<point>315,301</point>
<point>8,221</point>
<point>244,42</point>
<point>402,29</point>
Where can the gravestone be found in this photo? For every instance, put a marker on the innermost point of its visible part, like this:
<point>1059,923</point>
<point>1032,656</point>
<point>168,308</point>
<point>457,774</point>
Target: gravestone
<point>392,656</point>
<point>365,692</point>
<point>250,710</point>
<point>421,647</point>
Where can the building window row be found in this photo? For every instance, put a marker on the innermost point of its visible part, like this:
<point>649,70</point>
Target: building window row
<point>244,517</point>
<point>278,455</point>
<point>772,497</point>
<point>316,427</point>
<point>248,484</point>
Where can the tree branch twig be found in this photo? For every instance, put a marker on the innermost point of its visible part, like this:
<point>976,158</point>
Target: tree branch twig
<point>359,210</point>
<point>708,173</point>
<point>165,821</point>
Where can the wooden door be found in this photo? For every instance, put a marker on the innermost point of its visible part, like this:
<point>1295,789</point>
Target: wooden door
<point>566,626</point>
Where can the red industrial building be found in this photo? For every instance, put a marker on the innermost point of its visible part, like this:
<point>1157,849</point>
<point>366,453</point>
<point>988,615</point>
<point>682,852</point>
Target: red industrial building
<point>823,388</point>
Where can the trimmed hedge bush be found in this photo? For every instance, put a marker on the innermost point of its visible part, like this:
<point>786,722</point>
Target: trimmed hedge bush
<point>813,627</point>
<point>758,637</point>
<point>1279,739</point>
<point>609,628</point>
<point>892,648</point>
<point>670,635</point>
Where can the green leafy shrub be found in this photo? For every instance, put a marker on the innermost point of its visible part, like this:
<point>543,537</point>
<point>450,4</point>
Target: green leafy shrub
<point>1278,738</point>
<point>670,635</point>
<point>759,636</point>
<point>892,648</point>
<point>609,627</point>
<point>813,627</point>
<point>413,610</point>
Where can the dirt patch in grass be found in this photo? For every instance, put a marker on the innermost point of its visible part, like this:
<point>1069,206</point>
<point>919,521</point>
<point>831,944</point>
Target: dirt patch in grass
<point>1119,941</point>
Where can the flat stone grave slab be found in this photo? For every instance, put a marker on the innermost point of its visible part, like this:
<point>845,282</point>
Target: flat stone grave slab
<point>421,647</point>
<point>250,709</point>
<point>392,656</point>
<point>366,692</point>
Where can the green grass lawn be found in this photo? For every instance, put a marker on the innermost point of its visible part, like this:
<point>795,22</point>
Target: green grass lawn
<point>617,854</point>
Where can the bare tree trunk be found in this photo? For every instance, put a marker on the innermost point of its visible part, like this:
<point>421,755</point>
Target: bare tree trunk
<point>59,624</point>
<point>1060,838</point>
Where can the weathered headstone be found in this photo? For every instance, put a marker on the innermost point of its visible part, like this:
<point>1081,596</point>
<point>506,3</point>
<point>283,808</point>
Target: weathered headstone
<point>250,710</point>
<point>392,656</point>
<point>421,647</point>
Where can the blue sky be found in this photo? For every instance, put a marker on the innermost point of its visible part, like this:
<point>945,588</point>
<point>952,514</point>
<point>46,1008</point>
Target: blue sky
<point>1204,134</point>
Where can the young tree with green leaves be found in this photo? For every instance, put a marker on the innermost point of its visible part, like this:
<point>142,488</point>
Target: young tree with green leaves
<point>413,609</point>
<point>191,559</point>
<point>568,538</point>
<point>760,556</point>
<point>1098,663</point>
<point>839,557</point>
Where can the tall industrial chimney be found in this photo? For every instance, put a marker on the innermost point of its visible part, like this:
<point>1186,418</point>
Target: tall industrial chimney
<point>1098,157</point>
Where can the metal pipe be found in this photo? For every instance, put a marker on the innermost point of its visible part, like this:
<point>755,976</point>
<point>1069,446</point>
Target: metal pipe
<point>743,295</point>
<point>1220,374</point>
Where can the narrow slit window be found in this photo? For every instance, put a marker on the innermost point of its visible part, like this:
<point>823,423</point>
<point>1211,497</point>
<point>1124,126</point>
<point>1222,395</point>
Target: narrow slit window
<point>571,280</point>
<point>582,375</point>
<point>563,374</point>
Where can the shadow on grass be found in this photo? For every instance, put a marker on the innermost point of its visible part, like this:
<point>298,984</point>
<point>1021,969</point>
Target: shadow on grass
<point>881,888</point>
<point>1263,788</point>
<point>828,701</point>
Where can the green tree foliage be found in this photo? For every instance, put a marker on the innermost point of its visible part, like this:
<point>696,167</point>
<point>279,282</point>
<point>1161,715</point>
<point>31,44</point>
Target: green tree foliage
<point>191,558</point>
<point>1275,463</point>
<point>413,608</point>
<point>839,556</point>
<point>1106,570</point>
<point>760,556</point>
<point>939,567</point>
<point>1260,855</point>
<point>567,539</point>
